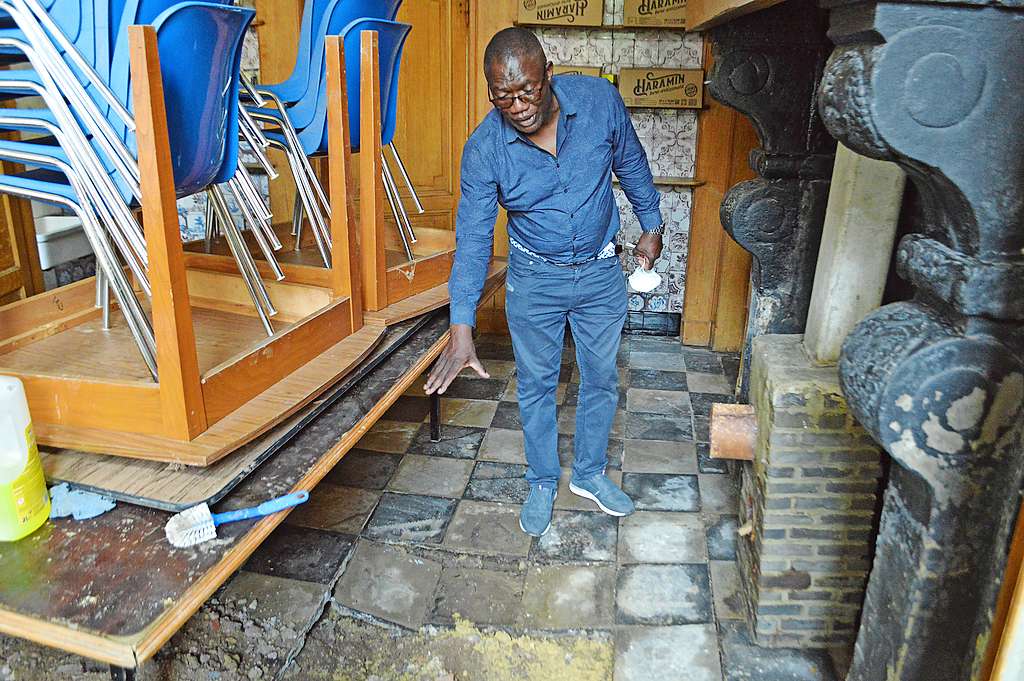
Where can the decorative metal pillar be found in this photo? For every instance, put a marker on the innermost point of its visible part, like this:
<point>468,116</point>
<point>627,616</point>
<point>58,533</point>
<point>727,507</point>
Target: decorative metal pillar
<point>938,381</point>
<point>768,66</point>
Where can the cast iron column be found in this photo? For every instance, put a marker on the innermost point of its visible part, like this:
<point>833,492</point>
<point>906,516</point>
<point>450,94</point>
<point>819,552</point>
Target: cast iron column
<point>767,65</point>
<point>938,381</point>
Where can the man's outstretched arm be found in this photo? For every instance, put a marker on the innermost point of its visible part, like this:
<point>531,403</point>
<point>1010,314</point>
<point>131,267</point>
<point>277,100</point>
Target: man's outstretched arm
<point>474,245</point>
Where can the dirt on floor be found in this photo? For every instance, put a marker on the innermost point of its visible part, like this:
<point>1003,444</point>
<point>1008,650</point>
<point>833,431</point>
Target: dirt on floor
<point>344,649</point>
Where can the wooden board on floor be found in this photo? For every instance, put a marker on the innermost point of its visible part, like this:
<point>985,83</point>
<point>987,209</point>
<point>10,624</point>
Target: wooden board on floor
<point>140,590</point>
<point>249,421</point>
<point>175,488</point>
<point>434,298</point>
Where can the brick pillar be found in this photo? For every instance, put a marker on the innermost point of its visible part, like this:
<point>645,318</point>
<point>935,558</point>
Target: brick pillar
<point>809,500</point>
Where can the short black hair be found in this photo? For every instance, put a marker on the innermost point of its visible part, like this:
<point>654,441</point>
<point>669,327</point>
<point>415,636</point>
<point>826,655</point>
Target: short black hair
<point>515,42</point>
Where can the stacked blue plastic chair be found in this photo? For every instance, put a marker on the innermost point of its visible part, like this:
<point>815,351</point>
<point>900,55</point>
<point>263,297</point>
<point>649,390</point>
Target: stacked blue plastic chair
<point>298,121</point>
<point>87,163</point>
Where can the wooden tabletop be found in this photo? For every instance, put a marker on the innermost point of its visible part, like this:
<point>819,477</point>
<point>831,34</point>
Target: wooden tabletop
<point>113,589</point>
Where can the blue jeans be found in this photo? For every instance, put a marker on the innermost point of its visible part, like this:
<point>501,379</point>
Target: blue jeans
<point>539,298</point>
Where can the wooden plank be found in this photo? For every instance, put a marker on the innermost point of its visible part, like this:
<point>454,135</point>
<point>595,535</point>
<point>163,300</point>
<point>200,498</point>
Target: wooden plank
<point>178,366</point>
<point>293,273</point>
<point>704,14</point>
<point>243,377</point>
<point>725,138</point>
<point>429,241</point>
<point>174,618</point>
<point>434,298</point>
<point>346,279</point>
<point>246,423</point>
<point>83,403</point>
<point>1008,619</point>
<point>371,198</point>
<point>418,276</point>
<point>44,310</point>
<point>105,649</point>
<point>227,291</point>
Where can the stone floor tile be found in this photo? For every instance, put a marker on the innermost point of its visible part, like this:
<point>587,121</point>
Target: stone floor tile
<point>410,518</point>
<point>665,402</point>
<point>655,360</point>
<point>653,537</point>
<point>473,387</point>
<point>479,595</point>
<point>577,536</point>
<point>667,345</point>
<point>725,588</point>
<point>418,387</point>
<point>663,594</point>
<point>387,582</point>
<point>503,368</point>
<point>503,445</point>
<point>566,500</point>
<point>431,475</point>
<point>658,456</point>
<point>360,468</point>
<point>719,494</point>
<point>565,597</point>
<point>702,402</point>
<point>657,492</point>
<point>408,408</point>
<point>393,437</point>
<point>489,351</point>
<point>731,365</point>
<point>702,361</point>
<point>475,413</point>
<point>507,416</point>
<point>687,652</point>
<point>708,465</point>
<point>708,383</point>
<point>722,537</point>
<point>640,426</point>
<point>566,452</point>
<point>483,527</point>
<point>567,422</point>
<point>701,429</point>
<point>335,508</point>
<point>656,379</point>
<point>743,661</point>
<point>498,482</point>
<point>457,442</point>
<point>301,553</point>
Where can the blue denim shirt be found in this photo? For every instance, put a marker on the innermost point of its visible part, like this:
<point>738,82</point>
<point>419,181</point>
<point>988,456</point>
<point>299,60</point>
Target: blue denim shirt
<point>559,207</point>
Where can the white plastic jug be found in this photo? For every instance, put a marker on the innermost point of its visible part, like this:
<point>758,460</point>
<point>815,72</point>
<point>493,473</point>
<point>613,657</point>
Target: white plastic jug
<point>24,502</point>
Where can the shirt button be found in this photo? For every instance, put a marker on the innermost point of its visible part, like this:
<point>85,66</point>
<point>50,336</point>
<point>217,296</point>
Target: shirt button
<point>566,190</point>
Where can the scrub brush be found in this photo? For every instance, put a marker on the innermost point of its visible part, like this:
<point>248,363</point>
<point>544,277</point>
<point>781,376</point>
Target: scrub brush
<point>196,525</point>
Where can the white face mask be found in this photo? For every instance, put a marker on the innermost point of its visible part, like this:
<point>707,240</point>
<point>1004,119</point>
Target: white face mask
<point>644,281</point>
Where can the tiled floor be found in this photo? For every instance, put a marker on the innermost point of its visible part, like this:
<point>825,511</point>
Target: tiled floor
<point>424,535</point>
<point>660,582</point>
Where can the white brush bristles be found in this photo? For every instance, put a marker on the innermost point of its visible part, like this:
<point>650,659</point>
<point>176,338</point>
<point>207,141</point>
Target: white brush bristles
<point>190,527</point>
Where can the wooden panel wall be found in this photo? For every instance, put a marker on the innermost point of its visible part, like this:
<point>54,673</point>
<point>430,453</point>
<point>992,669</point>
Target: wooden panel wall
<point>717,269</point>
<point>20,276</point>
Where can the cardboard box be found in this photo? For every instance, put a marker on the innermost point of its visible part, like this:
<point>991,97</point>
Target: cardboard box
<point>666,13</point>
<point>577,70</point>
<point>561,12</point>
<point>662,88</point>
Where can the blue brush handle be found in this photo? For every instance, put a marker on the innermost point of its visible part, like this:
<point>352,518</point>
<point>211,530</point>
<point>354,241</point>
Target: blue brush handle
<point>266,508</point>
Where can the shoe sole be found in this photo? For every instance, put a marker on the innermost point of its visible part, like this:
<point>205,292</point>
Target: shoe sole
<point>530,533</point>
<point>580,492</point>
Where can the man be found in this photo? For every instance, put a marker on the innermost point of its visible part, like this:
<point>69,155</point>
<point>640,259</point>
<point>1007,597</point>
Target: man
<point>545,154</point>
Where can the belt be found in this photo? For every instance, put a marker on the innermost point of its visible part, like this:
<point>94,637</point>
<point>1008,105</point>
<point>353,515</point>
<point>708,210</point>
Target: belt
<point>607,252</point>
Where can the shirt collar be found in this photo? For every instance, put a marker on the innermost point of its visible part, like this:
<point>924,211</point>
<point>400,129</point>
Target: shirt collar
<point>566,105</point>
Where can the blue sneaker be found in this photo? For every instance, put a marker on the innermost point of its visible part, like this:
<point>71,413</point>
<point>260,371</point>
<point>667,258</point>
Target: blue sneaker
<point>603,491</point>
<point>535,518</point>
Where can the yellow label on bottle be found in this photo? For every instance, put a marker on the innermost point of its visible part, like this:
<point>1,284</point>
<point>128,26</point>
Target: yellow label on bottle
<point>24,502</point>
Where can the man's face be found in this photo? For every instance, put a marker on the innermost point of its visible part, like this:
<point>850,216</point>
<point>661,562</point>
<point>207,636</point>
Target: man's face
<point>521,91</point>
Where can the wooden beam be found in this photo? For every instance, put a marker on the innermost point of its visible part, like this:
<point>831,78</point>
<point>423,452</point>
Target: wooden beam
<point>371,198</point>
<point>181,395</point>
<point>345,271</point>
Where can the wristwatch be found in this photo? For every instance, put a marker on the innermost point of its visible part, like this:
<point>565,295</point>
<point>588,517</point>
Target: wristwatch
<point>659,230</point>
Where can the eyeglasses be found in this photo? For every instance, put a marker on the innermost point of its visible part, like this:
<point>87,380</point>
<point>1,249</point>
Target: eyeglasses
<point>528,97</point>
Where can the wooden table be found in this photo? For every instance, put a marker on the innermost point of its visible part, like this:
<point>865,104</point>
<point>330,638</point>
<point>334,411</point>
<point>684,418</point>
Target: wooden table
<point>113,589</point>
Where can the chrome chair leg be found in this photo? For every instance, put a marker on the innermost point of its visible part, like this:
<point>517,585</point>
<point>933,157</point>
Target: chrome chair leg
<point>256,229</point>
<point>406,178</point>
<point>391,194</point>
<point>389,179</point>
